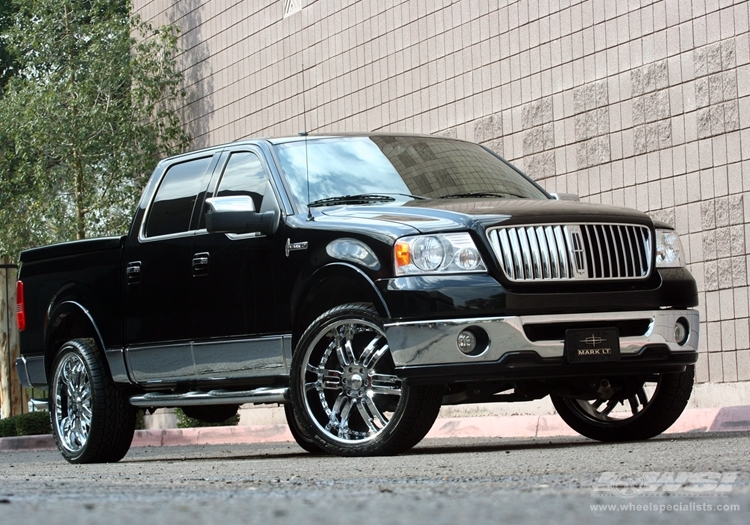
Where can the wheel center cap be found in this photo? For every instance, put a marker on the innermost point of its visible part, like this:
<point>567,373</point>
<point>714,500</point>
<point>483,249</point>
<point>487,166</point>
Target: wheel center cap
<point>357,381</point>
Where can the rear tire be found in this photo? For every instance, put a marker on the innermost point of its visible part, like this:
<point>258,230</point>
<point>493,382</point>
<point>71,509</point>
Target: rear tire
<point>92,418</point>
<point>648,417</point>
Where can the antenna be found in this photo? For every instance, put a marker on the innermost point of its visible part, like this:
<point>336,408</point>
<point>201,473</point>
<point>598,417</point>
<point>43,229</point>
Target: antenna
<point>303,133</point>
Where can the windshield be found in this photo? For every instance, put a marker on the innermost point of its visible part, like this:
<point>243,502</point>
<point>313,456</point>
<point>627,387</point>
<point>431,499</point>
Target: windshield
<point>404,167</point>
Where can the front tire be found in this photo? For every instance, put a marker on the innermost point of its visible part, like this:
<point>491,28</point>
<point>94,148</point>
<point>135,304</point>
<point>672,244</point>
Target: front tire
<point>654,403</point>
<point>348,399</point>
<point>92,419</point>
<point>303,441</point>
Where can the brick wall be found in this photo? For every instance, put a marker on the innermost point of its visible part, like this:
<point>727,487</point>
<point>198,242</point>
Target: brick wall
<point>632,102</point>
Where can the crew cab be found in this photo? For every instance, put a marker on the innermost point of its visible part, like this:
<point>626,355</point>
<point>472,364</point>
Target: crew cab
<point>362,281</point>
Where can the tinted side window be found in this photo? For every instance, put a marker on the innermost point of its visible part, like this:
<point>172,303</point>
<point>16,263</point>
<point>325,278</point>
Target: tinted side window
<point>244,175</point>
<point>175,198</point>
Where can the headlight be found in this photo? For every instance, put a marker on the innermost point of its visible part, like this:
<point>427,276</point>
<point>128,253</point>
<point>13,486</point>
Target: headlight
<point>442,253</point>
<point>668,250</point>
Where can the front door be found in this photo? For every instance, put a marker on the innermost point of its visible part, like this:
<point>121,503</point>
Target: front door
<point>235,324</point>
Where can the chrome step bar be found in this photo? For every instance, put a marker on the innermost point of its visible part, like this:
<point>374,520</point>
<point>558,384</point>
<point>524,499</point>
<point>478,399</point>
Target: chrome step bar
<point>213,397</point>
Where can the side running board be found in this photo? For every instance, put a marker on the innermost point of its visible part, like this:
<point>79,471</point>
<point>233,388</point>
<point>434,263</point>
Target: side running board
<point>213,397</point>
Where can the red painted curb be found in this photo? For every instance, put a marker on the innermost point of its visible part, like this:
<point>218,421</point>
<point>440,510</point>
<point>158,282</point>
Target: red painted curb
<point>725,419</point>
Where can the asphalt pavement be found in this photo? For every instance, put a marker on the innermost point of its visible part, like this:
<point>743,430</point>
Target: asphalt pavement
<point>700,478</point>
<point>693,420</point>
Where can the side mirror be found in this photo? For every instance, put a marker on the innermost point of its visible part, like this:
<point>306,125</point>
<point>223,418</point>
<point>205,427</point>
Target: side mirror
<point>566,197</point>
<point>236,214</point>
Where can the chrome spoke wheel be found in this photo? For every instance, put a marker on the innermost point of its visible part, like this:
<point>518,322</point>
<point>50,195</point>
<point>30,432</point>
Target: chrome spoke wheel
<point>72,390</point>
<point>92,420</point>
<point>351,390</point>
<point>629,408</point>
<point>616,409</point>
<point>345,394</point>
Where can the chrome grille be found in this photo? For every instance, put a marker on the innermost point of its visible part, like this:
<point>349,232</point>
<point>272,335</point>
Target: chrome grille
<point>573,251</point>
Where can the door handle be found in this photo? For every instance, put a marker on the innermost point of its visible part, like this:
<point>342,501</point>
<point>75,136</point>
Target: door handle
<point>133,272</point>
<point>200,263</point>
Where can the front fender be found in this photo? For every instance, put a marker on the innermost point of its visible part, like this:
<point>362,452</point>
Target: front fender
<point>331,285</point>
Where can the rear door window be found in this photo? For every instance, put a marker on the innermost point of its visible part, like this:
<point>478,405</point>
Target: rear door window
<point>173,204</point>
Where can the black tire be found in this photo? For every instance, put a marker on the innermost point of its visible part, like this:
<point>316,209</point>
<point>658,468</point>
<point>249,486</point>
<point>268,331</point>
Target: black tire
<point>92,419</point>
<point>347,397</point>
<point>648,417</point>
<point>303,441</point>
<point>211,413</point>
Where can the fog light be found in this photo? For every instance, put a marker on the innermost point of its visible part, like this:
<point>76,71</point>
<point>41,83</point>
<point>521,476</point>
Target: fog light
<point>681,331</point>
<point>466,342</point>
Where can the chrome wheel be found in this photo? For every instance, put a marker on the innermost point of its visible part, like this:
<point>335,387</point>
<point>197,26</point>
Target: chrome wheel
<point>611,410</point>
<point>92,420</point>
<point>351,390</point>
<point>72,417</point>
<point>630,408</point>
<point>345,393</point>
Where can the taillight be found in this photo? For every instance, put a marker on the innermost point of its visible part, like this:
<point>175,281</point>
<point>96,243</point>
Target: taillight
<point>20,309</point>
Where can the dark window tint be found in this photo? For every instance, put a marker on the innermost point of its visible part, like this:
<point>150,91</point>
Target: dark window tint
<point>175,198</point>
<point>244,175</point>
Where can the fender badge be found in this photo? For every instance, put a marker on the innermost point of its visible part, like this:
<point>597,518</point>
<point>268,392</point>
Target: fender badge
<point>294,246</point>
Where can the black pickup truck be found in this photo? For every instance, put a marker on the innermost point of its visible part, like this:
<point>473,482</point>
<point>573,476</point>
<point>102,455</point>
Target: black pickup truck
<point>362,281</point>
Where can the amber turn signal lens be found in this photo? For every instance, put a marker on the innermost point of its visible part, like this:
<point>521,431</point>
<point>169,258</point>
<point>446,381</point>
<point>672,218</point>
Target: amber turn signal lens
<point>403,255</point>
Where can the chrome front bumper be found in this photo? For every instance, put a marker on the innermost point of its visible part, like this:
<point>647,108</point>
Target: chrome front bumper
<point>420,343</point>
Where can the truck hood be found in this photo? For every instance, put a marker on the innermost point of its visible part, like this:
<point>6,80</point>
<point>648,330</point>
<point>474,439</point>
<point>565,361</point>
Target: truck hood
<point>434,215</point>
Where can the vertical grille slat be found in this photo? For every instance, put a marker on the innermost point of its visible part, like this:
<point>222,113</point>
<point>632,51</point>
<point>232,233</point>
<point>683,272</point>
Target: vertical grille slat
<point>543,252</point>
<point>615,243</point>
<point>647,250</point>
<point>637,252</point>
<point>507,254</point>
<point>528,268</point>
<point>555,263</point>
<point>516,254</point>
<point>562,253</point>
<point>600,251</point>
<point>536,260</point>
<point>594,251</point>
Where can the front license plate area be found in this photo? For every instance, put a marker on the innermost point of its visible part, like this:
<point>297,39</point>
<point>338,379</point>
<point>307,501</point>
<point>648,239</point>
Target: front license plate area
<point>587,346</point>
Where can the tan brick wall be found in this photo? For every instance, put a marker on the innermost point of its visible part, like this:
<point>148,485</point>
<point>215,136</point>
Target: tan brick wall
<point>632,102</point>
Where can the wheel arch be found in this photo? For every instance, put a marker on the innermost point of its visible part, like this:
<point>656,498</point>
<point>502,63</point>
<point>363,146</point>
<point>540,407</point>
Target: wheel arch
<point>69,320</point>
<point>330,286</point>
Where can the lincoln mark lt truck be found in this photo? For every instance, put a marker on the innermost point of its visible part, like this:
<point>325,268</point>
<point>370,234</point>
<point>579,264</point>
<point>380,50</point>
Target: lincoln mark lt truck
<point>362,281</point>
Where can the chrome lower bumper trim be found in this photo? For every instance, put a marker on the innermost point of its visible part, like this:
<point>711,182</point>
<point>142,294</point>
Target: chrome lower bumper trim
<point>419,343</point>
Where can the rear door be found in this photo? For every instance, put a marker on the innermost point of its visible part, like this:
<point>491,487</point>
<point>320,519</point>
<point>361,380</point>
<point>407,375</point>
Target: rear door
<point>159,273</point>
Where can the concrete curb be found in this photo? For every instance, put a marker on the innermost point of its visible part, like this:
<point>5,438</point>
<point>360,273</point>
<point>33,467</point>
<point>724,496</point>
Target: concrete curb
<point>725,419</point>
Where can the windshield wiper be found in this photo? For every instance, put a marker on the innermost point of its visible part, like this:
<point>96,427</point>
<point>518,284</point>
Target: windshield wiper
<point>365,198</point>
<point>480,194</point>
<point>415,197</point>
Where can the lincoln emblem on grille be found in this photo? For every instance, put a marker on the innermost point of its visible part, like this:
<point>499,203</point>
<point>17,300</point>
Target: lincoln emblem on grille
<point>575,240</point>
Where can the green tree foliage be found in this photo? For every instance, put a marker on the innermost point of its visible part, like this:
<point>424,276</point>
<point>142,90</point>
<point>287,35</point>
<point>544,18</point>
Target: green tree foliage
<point>87,113</point>
<point>7,65</point>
